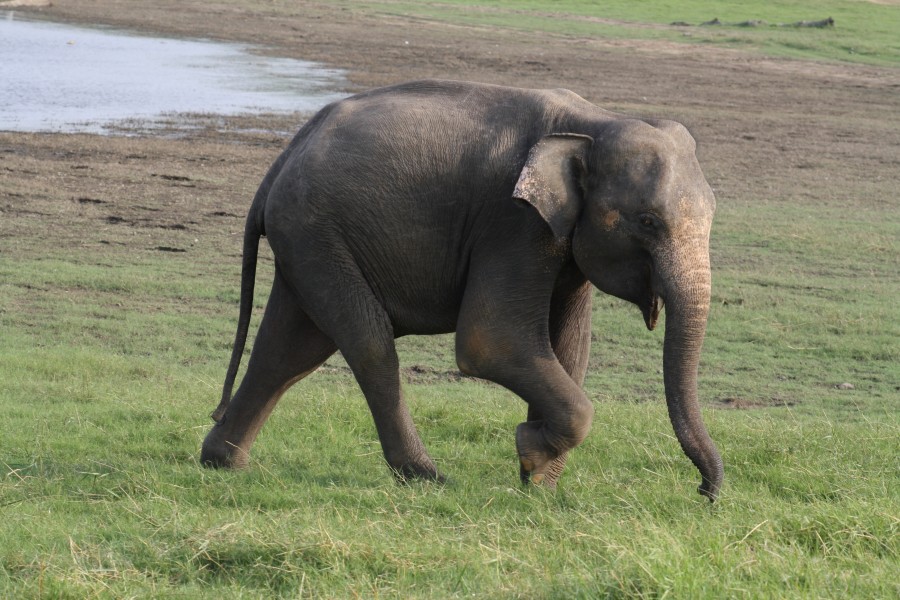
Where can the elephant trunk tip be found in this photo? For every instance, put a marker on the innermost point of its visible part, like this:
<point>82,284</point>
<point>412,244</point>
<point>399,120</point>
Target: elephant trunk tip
<point>712,482</point>
<point>709,490</point>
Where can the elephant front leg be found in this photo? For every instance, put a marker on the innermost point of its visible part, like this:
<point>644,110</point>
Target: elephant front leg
<point>522,360</point>
<point>543,445</point>
<point>552,472</point>
<point>570,336</point>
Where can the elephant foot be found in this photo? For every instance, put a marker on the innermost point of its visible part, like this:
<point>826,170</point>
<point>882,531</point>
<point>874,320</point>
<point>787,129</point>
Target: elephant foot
<point>551,477</point>
<point>536,464</point>
<point>218,453</point>
<point>417,471</point>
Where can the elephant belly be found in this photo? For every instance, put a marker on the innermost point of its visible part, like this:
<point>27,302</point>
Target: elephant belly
<point>413,252</point>
<point>420,294</point>
<point>415,267</point>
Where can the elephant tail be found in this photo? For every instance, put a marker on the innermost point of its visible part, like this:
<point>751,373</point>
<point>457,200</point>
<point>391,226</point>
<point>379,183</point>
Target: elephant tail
<point>253,230</point>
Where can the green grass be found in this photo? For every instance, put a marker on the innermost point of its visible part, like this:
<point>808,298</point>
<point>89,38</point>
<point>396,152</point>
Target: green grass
<point>107,498</point>
<point>864,32</point>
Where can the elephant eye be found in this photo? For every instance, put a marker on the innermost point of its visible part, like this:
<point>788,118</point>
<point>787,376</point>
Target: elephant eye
<point>648,221</point>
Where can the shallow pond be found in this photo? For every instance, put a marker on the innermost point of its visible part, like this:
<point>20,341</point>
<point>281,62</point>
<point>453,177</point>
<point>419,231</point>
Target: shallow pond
<point>65,78</point>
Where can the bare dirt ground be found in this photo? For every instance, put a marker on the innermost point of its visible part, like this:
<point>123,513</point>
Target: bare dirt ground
<point>769,129</point>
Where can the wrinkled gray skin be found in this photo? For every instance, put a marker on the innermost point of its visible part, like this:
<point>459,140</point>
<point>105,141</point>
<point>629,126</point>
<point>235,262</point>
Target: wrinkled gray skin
<point>432,207</point>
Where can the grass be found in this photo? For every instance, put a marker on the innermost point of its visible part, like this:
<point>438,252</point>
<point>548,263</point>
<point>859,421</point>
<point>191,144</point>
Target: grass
<point>111,356</point>
<point>108,498</point>
<point>864,32</point>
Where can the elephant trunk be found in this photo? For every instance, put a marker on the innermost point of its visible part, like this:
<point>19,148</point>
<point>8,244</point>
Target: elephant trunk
<point>687,308</point>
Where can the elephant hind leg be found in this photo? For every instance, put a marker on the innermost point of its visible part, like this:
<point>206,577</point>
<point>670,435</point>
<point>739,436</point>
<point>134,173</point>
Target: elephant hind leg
<point>376,367</point>
<point>344,306</point>
<point>369,349</point>
<point>288,347</point>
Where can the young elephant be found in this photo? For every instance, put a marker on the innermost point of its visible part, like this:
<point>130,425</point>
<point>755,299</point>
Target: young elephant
<point>437,206</point>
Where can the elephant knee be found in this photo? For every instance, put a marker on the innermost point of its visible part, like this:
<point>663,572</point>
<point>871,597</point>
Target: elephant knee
<point>571,425</point>
<point>581,420</point>
<point>371,355</point>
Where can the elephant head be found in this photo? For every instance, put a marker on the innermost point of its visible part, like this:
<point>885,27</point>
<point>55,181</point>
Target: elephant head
<point>633,201</point>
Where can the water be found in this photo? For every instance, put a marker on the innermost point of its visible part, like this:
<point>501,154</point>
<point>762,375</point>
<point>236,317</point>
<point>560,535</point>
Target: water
<point>64,78</point>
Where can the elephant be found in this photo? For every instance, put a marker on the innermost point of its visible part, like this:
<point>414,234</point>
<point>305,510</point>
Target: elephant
<point>438,206</point>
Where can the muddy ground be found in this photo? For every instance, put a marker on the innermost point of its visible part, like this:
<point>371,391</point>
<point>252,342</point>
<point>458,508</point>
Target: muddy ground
<point>769,129</point>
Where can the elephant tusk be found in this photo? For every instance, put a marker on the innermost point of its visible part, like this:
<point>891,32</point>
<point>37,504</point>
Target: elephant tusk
<point>656,306</point>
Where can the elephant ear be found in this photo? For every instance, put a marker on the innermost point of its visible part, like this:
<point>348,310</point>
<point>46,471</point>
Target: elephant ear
<point>552,179</point>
